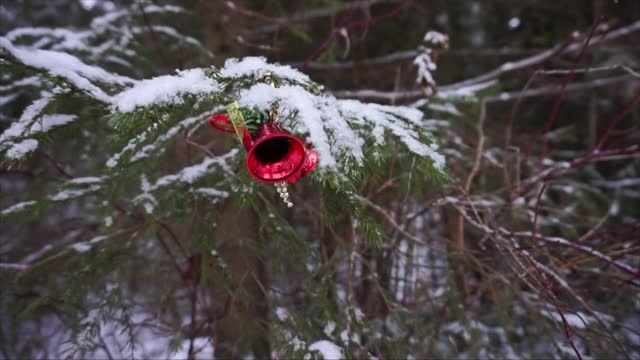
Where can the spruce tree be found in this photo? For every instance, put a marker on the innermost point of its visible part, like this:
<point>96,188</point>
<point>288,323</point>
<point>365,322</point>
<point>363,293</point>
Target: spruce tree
<point>146,180</point>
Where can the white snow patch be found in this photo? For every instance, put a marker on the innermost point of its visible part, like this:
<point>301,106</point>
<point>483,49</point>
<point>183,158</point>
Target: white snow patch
<point>166,89</point>
<point>203,345</point>
<point>163,8</point>
<point>297,344</point>
<point>425,66</point>
<point>86,180</point>
<point>47,122</point>
<point>113,161</point>
<point>146,150</point>
<point>68,67</point>
<point>508,66</point>
<point>19,150</point>
<point>282,314</point>
<point>436,38</point>
<point>18,128</point>
<point>329,350</point>
<point>17,207</point>
<point>344,336</point>
<point>446,108</point>
<point>258,66</point>
<point>28,81</point>
<point>84,246</point>
<point>81,247</point>
<point>8,98</point>
<point>88,4</point>
<point>12,266</point>
<point>168,31</point>
<point>214,193</point>
<point>465,91</point>
<point>66,39</point>
<point>73,193</point>
<point>514,23</point>
<point>192,173</point>
<point>329,328</point>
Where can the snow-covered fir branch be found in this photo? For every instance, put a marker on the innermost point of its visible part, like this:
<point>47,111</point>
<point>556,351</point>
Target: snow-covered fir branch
<point>338,129</point>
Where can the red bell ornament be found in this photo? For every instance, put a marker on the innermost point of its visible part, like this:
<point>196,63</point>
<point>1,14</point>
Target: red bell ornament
<point>221,122</point>
<point>274,155</point>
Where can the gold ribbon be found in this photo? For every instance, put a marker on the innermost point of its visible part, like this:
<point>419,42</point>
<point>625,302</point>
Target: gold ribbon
<point>237,120</point>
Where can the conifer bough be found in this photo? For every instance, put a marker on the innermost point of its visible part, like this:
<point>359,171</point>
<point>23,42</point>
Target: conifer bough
<point>145,114</point>
<point>273,154</point>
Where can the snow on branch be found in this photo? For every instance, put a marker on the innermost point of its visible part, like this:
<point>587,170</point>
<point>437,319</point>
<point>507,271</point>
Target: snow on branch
<point>71,189</point>
<point>31,122</point>
<point>84,77</point>
<point>328,349</point>
<point>339,128</point>
<point>18,207</point>
<point>258,66</point>
<point>16,141</point>
<point>20,149</point>
<point>73,193</point>
<point>138,152</point>
<point>190,174</point>
<point>187,123</point>
<point>110,38</point>
<point>166,90</point>
<point>19,128</point>
<point>110,19</point>
<point>168,31</point>
<point>426,60</point>
<point>187,176</point>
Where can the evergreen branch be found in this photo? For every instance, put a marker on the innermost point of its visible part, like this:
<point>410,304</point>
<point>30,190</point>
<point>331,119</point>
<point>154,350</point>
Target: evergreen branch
<point>389,219</point>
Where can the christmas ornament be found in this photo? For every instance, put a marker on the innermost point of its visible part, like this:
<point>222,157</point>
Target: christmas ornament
<point>274,155</point>
<point>221,122</point>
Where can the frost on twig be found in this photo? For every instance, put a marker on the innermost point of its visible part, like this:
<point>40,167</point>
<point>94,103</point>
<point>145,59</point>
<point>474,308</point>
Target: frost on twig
<point>426,60</point>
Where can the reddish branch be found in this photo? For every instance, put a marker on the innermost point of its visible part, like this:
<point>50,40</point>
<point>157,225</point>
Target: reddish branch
<point>562,168</point>
<point>585,249</point>
<point>556,106</point>
<point>616,120</point>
